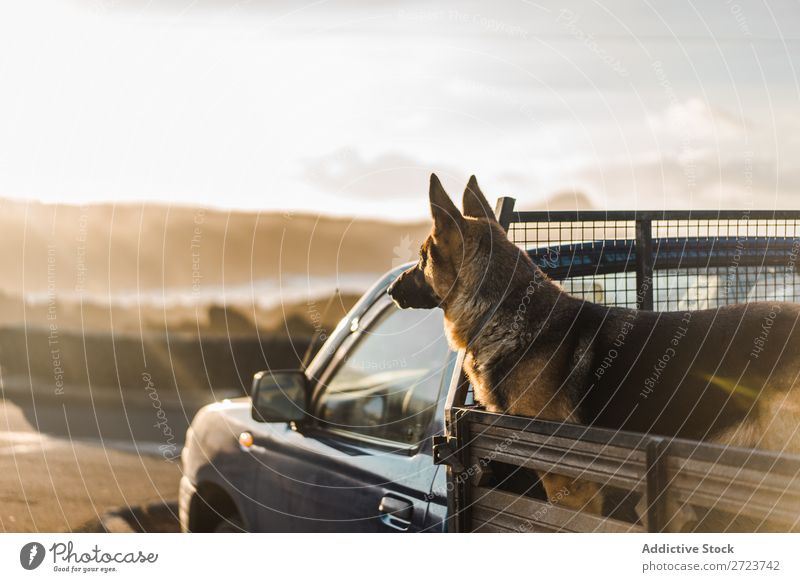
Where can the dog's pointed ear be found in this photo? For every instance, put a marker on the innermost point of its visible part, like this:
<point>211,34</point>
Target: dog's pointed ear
<point>444,212</point>
<point>474,203</point>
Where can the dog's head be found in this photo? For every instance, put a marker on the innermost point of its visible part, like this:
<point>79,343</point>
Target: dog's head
<point>453,254</point>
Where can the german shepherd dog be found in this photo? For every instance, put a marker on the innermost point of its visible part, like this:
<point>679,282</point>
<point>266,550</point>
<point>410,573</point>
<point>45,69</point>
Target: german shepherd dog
<point>727,375</point>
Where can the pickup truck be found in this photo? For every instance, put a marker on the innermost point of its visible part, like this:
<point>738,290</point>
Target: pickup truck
<point>379,433</point>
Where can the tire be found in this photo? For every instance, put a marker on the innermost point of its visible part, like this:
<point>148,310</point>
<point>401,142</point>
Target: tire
<point>231,524</point>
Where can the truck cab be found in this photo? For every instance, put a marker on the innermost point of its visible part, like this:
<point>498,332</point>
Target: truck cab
<point>357,457</point>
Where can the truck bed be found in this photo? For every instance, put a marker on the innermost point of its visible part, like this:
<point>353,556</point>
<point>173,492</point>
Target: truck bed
<point>653,260</point>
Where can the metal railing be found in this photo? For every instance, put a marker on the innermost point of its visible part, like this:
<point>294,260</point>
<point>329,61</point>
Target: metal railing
<point>665,260</point>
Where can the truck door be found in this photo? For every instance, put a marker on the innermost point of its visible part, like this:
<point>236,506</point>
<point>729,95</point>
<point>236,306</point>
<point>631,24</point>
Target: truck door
<point>363,462</point>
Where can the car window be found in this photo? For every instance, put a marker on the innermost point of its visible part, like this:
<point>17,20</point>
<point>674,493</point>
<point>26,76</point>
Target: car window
<point>388,385</point>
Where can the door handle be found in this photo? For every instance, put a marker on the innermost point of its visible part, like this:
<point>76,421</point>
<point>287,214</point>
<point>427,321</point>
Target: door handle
<point>396,512</point>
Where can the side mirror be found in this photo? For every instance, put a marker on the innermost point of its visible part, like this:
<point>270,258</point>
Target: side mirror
<point>279,396</point>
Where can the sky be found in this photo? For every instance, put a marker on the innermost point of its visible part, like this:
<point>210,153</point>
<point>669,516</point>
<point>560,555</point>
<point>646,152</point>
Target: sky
<point>345,108</point>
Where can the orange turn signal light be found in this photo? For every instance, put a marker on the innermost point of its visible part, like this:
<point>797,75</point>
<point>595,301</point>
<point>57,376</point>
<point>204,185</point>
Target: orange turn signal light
<point>246,440</point>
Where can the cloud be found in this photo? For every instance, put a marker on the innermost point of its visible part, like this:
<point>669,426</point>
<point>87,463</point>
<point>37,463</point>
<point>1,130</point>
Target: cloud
<point>388,176</point>
<point>696,119</point>
<point>706,182</point>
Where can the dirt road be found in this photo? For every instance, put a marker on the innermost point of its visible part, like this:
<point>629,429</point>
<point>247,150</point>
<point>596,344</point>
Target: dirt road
<point>63,463</point>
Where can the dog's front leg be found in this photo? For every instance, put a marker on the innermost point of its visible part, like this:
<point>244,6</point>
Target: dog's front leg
<point>576,494</point>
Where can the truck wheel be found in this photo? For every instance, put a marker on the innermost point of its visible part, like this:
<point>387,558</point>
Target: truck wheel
<point>231,524</point>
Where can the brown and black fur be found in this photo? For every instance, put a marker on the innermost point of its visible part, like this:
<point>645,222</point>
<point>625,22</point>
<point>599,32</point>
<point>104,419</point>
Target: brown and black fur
<point>534,350</point>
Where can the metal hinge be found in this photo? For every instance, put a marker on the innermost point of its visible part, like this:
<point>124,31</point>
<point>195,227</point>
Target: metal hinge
<point>445,453</point>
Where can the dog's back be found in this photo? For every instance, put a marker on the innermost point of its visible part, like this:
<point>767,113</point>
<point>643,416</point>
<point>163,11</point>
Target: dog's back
<point>719,374</point>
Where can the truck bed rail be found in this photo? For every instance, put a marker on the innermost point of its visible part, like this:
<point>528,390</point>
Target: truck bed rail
<point>692,484</point>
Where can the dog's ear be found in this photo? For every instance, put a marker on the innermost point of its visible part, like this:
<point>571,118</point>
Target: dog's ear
<point>474,203</point>
<point>444,212</point>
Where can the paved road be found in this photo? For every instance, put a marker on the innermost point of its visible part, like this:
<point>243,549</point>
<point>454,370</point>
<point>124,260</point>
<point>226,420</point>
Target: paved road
<point>64,463</point>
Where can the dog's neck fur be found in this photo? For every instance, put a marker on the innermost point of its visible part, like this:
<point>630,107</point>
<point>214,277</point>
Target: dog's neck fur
<point>518,299</point>
<point>513,301</point>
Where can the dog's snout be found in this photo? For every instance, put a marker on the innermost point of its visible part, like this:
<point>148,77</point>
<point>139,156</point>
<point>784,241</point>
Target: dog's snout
<point>409,290</point>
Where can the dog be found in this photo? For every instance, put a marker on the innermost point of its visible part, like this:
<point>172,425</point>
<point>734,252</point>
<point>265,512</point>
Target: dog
<point>727,375</point>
